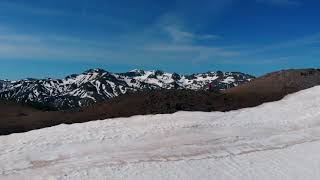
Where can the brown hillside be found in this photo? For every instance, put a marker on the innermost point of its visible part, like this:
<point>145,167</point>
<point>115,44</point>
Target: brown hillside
<point>271,87</point>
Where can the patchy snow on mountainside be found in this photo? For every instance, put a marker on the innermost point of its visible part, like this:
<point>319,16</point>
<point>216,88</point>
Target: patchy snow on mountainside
<point>278,140</point>
<point>96,85</point>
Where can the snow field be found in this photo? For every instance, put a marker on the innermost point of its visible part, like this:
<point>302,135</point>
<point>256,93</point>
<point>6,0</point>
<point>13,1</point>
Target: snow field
<point>278,140</point>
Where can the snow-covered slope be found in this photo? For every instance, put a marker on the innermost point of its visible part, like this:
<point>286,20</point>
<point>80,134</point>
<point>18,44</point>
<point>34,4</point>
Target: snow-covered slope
<point>96,85</point>
<point>278,140</point>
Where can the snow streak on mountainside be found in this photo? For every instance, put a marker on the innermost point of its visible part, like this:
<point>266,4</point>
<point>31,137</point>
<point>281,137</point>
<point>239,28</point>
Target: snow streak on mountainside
<point>278,140</point>
<point>96,85</point>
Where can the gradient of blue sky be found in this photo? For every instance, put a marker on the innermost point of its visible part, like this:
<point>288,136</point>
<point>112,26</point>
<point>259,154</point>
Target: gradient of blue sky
<point>41,38</point>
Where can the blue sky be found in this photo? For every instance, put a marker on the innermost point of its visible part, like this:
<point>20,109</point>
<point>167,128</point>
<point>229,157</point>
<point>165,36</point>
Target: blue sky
<point>54,38</point>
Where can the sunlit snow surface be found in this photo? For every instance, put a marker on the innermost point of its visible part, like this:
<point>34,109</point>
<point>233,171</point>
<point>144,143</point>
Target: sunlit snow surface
<point>279,140</point>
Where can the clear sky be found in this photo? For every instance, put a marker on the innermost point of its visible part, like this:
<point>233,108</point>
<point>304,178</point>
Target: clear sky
<point>54,38</point>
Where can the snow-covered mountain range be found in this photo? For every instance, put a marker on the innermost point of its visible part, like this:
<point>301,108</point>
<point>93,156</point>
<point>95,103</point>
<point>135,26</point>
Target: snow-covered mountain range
<point>96,85</point>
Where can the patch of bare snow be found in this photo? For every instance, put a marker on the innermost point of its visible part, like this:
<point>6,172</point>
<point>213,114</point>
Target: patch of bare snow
<point>278,140</point>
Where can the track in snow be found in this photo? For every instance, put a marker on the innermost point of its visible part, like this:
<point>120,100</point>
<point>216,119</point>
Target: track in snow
<point>277,140</point>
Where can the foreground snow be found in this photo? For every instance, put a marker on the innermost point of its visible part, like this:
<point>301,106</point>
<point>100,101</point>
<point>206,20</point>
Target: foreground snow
<point>279,140</point>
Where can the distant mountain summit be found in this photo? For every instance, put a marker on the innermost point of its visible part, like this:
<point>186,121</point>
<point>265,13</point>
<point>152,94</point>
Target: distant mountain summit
<point>95,85</point>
